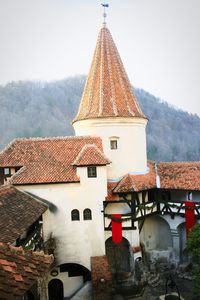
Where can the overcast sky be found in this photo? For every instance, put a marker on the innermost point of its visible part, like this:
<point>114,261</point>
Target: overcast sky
<point>158,40</point>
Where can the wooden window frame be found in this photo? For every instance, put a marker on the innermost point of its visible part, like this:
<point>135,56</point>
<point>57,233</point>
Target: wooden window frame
<point>114,144</point>
<point>92,172</point>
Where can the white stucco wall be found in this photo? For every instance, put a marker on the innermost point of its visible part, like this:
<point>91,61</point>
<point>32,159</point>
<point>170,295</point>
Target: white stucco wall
<point>70,284</point>
<point>156,234</point>
<point>77,241</point>
<point>130,157</point>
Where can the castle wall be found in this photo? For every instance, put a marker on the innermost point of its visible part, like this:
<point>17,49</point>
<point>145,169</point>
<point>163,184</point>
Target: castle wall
<point>130,156</point>
<point>78,240</point>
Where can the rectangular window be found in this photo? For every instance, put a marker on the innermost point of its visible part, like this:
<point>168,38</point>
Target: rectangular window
<point>113,144</point>
<point>92,172</point>
<point>6,171</point>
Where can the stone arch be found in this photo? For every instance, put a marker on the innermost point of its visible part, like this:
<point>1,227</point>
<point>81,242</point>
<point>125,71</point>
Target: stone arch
<point>156,234</point>
<point>74,270</point>
<point>56,289</point>
<point>119,256</point>
<point>184,255</point>
<point>72,275</point>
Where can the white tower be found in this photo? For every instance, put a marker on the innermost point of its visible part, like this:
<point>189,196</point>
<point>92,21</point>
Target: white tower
<point>109,109</point>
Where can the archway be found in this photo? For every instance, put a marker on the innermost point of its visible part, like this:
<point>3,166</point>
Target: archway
<point>119,256</point>
<point>156,234</point>
<point>74,270</point>
<point>55,289</point>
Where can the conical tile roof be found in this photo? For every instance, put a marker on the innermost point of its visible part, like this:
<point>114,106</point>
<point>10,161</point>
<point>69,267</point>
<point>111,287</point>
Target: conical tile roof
<point>107,92</point>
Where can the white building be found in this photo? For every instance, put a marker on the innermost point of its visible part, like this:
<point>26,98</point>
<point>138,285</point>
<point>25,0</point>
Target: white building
<point>100,174</point>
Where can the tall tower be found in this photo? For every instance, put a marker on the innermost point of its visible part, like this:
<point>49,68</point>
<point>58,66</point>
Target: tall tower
<point>110,110</point>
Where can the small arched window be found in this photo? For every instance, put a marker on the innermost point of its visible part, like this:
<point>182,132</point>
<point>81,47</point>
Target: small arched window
<point>75,215</point>
<point>87,214</point>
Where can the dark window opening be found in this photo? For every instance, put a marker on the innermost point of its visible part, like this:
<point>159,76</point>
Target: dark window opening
<point>113,144</point>
<point>75,215</point>
<point>92,172</point>
<point>165,195</point>
<point>6,171</point>
<point>87,214</point>
<point>151,196</point>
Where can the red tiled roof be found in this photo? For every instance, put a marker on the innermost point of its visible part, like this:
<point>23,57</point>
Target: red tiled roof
<point>108,92</point>
<point>18,211</point>
<point>136,183</point>
<point>110,195</point>
<point>179,175</point>
<point>19,270</point>
<point>173,175</point>
<point>90,155</point>
<point>45,160</point>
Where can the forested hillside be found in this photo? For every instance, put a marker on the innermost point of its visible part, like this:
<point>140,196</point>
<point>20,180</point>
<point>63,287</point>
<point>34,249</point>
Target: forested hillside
<point>30,109</point>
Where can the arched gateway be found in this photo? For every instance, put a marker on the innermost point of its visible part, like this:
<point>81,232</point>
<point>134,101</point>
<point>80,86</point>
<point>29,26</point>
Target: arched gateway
<point>119,256</point>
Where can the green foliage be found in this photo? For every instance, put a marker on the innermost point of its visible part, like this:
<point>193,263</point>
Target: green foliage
<point>30,109</point>
<point>193,242</point>
<point>193,245</point>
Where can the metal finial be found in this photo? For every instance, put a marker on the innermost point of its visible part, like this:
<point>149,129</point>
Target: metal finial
<point>105,5</point>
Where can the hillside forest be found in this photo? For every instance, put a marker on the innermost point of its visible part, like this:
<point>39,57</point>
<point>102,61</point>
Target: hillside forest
<point>43,109</point>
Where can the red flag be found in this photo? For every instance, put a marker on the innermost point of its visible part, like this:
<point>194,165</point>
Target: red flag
<point>189,216</point>
<point>116,229</point>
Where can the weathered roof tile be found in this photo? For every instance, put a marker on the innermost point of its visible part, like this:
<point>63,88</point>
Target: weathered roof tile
<point>107,92</point>
<point>91,155</point>
<point>179,175</point>
<point>18,212</point>
<point>15,281</point>
<point>46,160</point>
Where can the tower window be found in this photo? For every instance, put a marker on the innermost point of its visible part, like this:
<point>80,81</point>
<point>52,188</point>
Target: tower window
<point>92,172</point>
<point>87,214</point>
<point>75,215</point>
<point>113,144</point>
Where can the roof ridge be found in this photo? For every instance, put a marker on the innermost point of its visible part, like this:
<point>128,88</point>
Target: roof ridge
<point>178,162</point>
<point>84,149</point>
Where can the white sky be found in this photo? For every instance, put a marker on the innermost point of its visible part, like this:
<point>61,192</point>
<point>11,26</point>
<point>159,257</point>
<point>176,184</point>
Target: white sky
<point>158,40</point>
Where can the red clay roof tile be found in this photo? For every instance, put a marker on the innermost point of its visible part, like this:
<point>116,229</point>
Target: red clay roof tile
<point>15,281</point>
<point>179,175</point>
<point>172,175</point>
<point>136,183</point>
<point>18,212</point>
<point>45,160</point>
<point>91,155</point>
<point>107,92</point>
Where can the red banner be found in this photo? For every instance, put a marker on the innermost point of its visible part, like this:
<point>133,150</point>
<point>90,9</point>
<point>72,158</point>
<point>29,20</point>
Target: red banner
<point>116,229</point>
<point>189,215</point>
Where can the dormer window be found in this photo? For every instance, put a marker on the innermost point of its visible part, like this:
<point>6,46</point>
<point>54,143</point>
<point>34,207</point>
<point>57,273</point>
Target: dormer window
<point>7,171</point>
<point>92,172</point>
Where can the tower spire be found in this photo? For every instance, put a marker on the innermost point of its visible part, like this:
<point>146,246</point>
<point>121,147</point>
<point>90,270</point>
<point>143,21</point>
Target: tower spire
<point>108,92</point>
